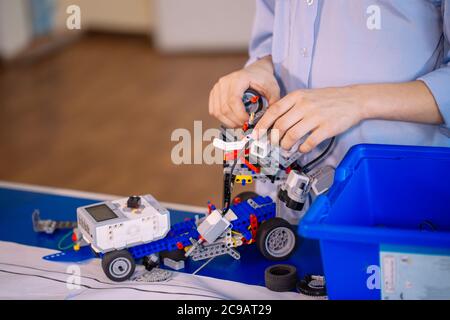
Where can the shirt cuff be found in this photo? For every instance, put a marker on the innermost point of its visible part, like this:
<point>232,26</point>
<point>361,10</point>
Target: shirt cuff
<point>264,50</point>
<point>438,82</point>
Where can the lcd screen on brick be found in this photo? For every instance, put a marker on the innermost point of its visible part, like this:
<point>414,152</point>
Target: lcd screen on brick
<point>101,213</point>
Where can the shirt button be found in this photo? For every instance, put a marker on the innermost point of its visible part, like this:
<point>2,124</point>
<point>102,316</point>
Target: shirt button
<point>304,52</point>
<point>310,2</point>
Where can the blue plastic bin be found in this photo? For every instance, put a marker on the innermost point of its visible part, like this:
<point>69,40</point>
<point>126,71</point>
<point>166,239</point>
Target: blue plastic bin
<point>382,195</point>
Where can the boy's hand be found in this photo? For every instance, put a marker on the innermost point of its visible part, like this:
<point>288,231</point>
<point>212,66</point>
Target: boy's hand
<point>322,112</point>
<point>225,99</point>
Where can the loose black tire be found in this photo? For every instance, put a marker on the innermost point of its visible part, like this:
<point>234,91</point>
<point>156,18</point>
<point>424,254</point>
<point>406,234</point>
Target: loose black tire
<point>311,287</point>
<point>281,277</point>
<point>244,196</point>
<point>118,265</point>
<point>175,255</point>
<point>276,239</point>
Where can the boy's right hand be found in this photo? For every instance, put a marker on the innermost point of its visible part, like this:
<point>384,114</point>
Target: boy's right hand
<point>225,99</point>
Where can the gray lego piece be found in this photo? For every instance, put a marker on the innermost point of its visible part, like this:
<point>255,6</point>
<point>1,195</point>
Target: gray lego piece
<point>224,245</point>
<point>175,265</point>
<point>49,226</point>
<point>322,179</point>
<point>253,204</point>
<point>297,186</point>
<point>213,226</point>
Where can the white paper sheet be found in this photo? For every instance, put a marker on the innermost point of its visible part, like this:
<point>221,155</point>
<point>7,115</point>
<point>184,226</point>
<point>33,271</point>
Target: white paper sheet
<point>25,275</point>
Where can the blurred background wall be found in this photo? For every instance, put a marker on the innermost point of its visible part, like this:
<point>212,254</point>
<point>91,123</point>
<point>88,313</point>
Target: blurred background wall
<point>94,109</point>
<point>193,25</point>
<point>135,16</point>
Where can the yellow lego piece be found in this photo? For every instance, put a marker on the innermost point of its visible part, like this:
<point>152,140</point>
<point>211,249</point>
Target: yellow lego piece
<point>243,179</point>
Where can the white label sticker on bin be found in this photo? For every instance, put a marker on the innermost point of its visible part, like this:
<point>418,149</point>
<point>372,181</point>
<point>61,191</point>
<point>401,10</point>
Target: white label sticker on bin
<point>414,273</point>
<point>388,267</point>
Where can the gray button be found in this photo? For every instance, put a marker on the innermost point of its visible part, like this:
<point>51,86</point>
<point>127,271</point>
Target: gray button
<point>310,2</point>
<point>304,52</point>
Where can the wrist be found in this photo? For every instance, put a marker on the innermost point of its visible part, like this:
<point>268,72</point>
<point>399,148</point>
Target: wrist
<point>363,100</point>
<point>264,63</point>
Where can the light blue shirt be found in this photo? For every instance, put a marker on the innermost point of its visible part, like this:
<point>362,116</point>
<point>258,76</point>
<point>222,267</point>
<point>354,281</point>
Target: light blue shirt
<point>326,43</point>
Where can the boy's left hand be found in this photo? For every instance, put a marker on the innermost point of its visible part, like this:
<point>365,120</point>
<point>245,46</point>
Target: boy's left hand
<point>322,112</point>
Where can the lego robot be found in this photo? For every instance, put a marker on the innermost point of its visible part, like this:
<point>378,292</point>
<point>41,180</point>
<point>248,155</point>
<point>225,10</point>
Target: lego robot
<point>127,230</point>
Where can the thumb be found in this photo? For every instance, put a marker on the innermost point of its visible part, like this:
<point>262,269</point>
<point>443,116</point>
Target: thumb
<point>270,91</point>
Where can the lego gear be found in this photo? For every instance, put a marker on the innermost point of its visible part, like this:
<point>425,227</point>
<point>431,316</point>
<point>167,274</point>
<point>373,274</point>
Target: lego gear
<point>155,275</point>
<point>280,277</point>
<point>255,105</point>
<point>312,285</point>
<point>175,255</point>
<point>118,265</point>
<point>275,239</point>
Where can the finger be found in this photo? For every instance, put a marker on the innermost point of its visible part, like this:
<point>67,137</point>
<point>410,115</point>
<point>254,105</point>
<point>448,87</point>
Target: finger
<point>236,90</point>
<point>227,113</point>
<point>236,105</point>
<point>316,137</point>
<point>222,109</point>
<point>214,103</point>
<point>224,106</point>
<point>214,107</point>
<point>226,121</point>
<point>210,102</point>
<point>297,132</point>
<point>287,121</point>
<point>270,90</point>
<point>274,94</point>
<point>275,111</point>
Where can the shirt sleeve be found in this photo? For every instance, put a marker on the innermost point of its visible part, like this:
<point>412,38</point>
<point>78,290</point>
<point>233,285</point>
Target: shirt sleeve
<point>438,81</point>
<point>261,38</point>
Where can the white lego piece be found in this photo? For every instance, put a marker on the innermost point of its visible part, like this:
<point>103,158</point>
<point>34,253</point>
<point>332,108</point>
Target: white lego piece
<point>111,225</point>
<point>260,148</point>
<point>230,145</point>
<point>297,185</point>
<point>213,226</point>
<point>230,215</point>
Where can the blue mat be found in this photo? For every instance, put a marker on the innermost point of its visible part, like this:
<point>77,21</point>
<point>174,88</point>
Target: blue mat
<point>16,207</point>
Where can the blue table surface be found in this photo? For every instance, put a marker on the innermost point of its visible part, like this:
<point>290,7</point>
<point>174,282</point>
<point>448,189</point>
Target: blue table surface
<point>16,207</point>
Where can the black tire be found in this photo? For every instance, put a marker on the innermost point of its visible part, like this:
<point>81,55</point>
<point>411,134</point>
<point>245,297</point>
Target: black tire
<point>312,287</point>
<point>244,196</point>
<point>280,277</point>
<point>269,245</point>
<point>149,264</point>
<point>118,265</point>
<point>175,255</point>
